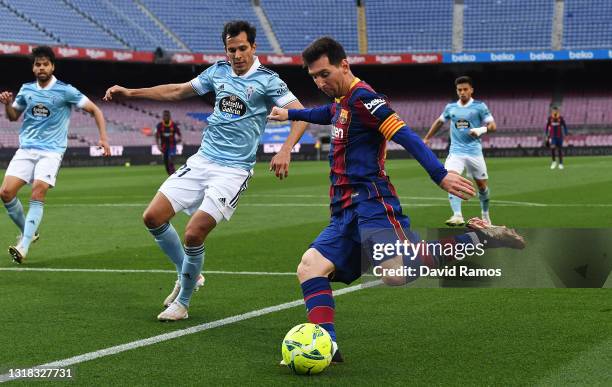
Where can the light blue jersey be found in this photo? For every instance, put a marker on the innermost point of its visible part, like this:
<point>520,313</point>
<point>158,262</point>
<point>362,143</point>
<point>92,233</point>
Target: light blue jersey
<point>241,105</point>
<point>46,114</point>
<point>473,114</point>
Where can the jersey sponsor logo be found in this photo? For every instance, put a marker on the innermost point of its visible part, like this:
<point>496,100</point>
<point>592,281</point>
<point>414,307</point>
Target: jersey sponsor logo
<point>232,106</point>
<point>337,133</point>
<point>40,111</point>
<point>462,124</point>
<point>374,104</point>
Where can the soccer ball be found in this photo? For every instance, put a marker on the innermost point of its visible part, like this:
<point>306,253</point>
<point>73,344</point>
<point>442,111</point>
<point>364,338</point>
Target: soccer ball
<point>307,349</point>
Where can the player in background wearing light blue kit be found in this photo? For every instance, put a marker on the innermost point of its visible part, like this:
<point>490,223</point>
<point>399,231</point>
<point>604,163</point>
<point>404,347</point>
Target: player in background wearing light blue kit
<point>470,119</point>
<point>43,138</point>
<point>210,183</point>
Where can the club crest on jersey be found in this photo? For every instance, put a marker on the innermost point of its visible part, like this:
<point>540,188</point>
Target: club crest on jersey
<point>343,118</point>
<point>40,111</point>
<point>249,92</point>
<point>232,106</point>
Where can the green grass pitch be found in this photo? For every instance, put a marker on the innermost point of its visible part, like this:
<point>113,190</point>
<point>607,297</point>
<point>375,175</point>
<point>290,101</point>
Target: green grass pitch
<point>393,336</point>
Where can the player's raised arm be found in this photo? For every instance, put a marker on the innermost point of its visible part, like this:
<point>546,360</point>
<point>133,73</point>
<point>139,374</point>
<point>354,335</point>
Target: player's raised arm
<point>13,114</point>
<point>280,162</point>
<point>94,110</point>
<point>321,115</point>
<point>435,127</point>
<point>452,183</point>
<point>168,92</point>
<point>378,115</point>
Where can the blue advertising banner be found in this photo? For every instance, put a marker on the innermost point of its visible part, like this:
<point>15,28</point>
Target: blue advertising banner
<point>526,56</point>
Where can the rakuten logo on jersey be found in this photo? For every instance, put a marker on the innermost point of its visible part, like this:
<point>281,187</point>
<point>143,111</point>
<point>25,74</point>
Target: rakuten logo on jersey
<point>374,104</point>
<point>337,133</point>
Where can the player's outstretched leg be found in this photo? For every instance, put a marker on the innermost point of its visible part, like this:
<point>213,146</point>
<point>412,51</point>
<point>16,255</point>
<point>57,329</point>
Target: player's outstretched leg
<point>313,272</point>
<point>553,165</point>
<point>197,229</point>
<point>496,236</point>
<point>560,150</point>
<point>457,219</point>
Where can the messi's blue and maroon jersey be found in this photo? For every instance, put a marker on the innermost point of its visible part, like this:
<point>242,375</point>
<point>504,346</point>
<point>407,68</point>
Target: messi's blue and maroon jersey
<point>362,122</point>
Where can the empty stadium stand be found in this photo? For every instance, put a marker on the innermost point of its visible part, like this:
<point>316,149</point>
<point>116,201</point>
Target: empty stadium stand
<point>409,26</point>
<point>587,24</point>
<point>507,24</point>
<point>390,25</point>
<point>297,23</point>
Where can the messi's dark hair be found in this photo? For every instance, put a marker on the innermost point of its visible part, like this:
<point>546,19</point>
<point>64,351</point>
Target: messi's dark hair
<point>324,46</point>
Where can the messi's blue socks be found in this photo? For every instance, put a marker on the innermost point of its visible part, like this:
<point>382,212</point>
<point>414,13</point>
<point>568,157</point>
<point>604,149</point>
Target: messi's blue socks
<point>455,203</point>
<point>320,306</point>
<point>484,200</point>
<point>15,212</point>
<point>32,221</point>
<point>169,241</point>
<point>192,267</point>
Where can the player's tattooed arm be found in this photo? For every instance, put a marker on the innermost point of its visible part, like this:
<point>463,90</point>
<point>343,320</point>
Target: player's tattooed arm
<point>168,92</point>
<point>6,98</point>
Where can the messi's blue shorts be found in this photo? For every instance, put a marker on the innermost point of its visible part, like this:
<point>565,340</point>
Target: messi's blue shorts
<point>556,141</point>
<point>341,242</point>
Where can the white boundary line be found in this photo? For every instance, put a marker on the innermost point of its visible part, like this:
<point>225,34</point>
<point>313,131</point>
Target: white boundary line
<point>497,203</point>
<point>77,270</point>
<point>180,333</point>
